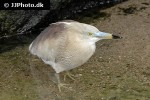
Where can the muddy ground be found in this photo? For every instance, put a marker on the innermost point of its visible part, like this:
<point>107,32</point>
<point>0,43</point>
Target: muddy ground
<point>119,69</point>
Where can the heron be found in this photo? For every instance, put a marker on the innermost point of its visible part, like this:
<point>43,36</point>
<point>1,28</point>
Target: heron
<point>67,44</point>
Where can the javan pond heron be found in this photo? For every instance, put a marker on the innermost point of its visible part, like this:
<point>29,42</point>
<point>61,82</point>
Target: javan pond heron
<point>67,44</point>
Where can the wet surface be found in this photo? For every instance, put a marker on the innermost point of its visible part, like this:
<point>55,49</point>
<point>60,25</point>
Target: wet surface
<point>119,69</point>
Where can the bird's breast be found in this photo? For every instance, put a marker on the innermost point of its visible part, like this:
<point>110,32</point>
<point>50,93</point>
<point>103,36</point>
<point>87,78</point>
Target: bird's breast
<point>81,53</point>
<point>89,49</point>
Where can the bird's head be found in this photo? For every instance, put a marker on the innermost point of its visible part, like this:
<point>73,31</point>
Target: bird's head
<point>95,35</point>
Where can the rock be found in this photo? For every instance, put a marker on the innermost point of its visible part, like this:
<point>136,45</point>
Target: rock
<point>16,23</point>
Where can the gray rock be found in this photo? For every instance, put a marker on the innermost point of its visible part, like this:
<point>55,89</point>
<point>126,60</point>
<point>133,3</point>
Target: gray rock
<point>18,22</point>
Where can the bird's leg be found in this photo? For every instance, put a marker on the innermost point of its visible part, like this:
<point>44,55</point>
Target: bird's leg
<point>59,83</point>
<point>71,76</point>
<point>57,77</point>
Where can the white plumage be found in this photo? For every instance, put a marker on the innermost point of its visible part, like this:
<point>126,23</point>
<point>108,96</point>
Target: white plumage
<point>67,44</point>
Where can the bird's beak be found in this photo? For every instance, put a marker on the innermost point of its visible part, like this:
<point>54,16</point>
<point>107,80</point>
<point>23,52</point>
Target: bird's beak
<point>104,35</point>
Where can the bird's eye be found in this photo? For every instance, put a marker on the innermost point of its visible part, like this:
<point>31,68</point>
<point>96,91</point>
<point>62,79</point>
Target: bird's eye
<point>89,33</point>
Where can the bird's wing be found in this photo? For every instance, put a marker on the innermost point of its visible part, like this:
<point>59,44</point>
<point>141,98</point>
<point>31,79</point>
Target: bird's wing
<point>48,41</point>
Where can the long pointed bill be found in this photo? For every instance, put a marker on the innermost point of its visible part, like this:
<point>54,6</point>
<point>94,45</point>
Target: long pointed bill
<point>104,35</point>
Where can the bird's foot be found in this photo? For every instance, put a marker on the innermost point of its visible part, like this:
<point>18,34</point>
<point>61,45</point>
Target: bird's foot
<point>61,84</point>
<point>71,76</point>
<point>64,86</point>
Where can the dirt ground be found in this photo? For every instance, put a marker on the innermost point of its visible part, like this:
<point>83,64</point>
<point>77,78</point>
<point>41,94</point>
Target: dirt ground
<point>119,69</point>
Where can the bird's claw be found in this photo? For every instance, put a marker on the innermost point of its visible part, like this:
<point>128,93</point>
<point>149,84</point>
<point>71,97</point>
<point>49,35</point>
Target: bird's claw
<point>64,86</point>
<point>71,76</point>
